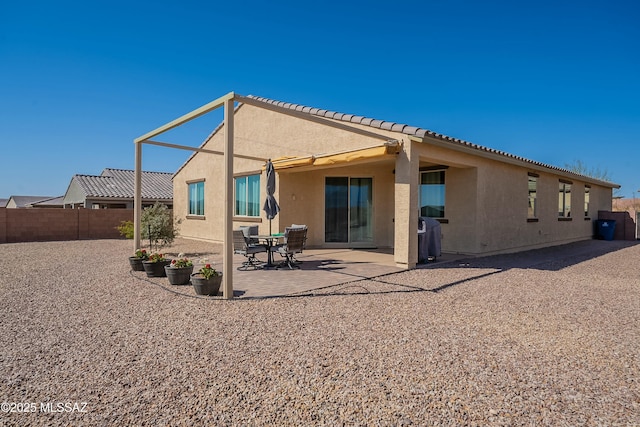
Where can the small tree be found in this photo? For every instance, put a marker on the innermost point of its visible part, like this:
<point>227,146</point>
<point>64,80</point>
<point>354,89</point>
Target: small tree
<point>158,226</point>
<point>580,168</point>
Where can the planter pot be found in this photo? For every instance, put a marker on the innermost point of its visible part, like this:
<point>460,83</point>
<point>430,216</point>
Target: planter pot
<point>178,275</point>
<point>204,286</point>
<point>136,263</point>
<point>155,269</point>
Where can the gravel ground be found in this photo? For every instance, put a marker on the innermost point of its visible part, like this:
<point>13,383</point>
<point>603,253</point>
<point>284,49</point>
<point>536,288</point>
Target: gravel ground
<point>511,340</point>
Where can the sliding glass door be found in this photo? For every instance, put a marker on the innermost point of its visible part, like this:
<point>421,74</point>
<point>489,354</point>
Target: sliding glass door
<point>348,210</point>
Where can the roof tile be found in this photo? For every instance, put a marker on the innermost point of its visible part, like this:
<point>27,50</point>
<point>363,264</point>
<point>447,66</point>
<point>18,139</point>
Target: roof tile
<point>119,183</point>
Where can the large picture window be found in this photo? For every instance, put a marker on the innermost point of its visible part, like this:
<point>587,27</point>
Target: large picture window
<point>196,198</point>
<point>247,197</point>
<point>432,194</point>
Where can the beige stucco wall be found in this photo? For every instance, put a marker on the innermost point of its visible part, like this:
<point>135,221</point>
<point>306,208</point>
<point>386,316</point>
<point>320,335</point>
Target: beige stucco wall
<point>486,199</point>
<point>266,134</point>
<point>486,205</point>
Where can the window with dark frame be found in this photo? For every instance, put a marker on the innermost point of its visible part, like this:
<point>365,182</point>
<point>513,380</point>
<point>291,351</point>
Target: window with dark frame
<point>564,199</point>
<point>587,197</point>
<point>533,196</point>
<point>432,193</point>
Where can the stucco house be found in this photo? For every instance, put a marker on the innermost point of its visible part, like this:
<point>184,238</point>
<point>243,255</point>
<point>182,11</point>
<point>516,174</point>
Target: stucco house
<point>358,182</point>
<point>114,189</point>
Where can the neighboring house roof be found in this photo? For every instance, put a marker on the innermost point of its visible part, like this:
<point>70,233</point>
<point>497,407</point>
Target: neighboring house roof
<point>119,183</point>
<point>3,202</point>
<point>52,202</point>
<point>27,201</point>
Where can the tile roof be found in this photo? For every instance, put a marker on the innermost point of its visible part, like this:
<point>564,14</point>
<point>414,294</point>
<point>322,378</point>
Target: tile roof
<point>25,201</point>
<point>411,131</point>
<point>119,183</point>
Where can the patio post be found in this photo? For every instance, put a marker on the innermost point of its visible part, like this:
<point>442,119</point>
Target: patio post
<point>137,197</point>
<point>227,257</point>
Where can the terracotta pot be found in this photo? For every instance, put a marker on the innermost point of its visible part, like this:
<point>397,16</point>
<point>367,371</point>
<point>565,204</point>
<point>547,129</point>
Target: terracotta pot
<point>136,263</point>
<point>155,269</point>
<point>204,286</point>
<point>178,275</point>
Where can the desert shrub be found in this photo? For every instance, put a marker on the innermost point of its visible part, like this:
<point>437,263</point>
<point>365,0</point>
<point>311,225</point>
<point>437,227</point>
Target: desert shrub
<point>126,229</point>
<point>158,225</point>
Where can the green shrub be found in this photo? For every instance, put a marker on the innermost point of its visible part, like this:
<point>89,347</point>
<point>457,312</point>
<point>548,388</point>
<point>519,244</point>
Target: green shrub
<point>126,229</point>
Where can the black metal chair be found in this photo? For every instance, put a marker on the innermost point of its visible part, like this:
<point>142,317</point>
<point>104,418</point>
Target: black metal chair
<point>294,245</point>
<point>241,247</point>
<point>304,243</point>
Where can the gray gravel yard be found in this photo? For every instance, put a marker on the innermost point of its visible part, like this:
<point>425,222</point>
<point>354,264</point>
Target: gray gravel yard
<point>541,338</point>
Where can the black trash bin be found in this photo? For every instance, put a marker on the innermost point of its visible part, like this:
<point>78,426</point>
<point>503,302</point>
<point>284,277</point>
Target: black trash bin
<point>605,229</point>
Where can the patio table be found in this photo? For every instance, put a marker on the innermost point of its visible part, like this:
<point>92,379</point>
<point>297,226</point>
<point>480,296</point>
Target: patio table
<point>271,240</point>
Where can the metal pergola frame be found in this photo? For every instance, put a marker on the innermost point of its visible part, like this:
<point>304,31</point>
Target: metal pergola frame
<point>227,102</point>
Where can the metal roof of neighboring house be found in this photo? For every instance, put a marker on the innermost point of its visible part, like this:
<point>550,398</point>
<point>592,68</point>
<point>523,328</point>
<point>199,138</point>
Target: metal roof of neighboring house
<point>3,202</point>
<point>26,201</point>
<point>52,202</point>
<point>119,183</point>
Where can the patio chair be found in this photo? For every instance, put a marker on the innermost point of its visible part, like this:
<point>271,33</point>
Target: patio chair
<point>250,230</point>
<point>242,247</point>
<point>304,243</point>
<point>294,245</point>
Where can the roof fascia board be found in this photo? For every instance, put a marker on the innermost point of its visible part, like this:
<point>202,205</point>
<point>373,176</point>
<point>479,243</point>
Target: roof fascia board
<point>311,118</point>
<point>217,103</point>
<point>509,160</point>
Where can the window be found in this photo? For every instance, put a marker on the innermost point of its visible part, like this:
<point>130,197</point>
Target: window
<point>533,195</point>
<point>432,192</point>
<point>196,198</point>
<point>587,191</point>
<point>564,199</point>
<point>247,195</point>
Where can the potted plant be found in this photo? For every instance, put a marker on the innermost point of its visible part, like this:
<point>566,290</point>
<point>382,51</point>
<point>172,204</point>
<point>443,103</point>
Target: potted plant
<point>135,261</point>
<point>206,281</point>
<point>179,271</point>
<point>154,266</point>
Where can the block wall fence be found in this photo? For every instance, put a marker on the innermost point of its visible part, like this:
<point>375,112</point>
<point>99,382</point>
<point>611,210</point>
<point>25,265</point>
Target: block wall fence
<point>47,224</point>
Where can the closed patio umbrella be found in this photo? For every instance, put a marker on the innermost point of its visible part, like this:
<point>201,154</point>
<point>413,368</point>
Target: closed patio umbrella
<point>271,207</point>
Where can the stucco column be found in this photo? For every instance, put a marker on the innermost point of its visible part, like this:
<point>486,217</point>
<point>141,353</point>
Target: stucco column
<point>406,207</point>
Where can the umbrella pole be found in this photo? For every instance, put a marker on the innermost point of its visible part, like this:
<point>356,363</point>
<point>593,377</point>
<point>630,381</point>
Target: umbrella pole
<point>269,227</point>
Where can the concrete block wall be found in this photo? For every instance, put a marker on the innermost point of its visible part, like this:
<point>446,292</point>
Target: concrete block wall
<point>31,225</point>
<point>625,226</point>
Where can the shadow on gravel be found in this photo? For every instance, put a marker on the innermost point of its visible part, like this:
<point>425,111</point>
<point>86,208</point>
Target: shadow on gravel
<point>554,258</point>
<point>549,259</point>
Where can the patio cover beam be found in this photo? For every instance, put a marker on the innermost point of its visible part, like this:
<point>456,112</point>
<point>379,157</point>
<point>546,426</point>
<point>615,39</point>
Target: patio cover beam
<point>203,150</point>
<point>207,108</point>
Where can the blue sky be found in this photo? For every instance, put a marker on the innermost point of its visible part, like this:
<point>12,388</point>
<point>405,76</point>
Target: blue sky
<point>552,81</point>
